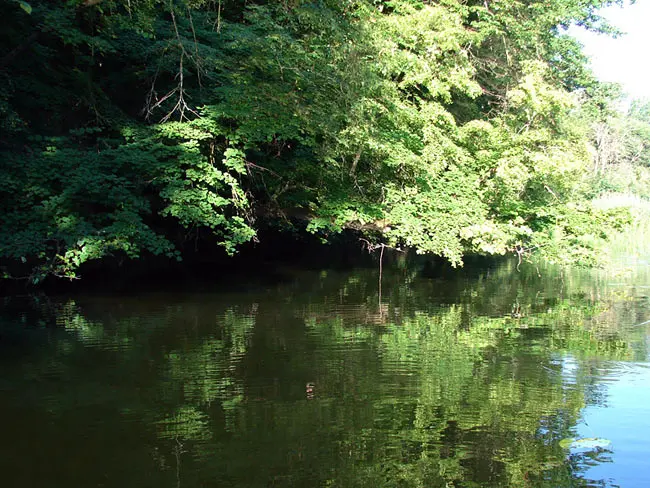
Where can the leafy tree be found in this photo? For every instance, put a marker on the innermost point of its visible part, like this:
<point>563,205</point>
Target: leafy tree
<point>131,128</point>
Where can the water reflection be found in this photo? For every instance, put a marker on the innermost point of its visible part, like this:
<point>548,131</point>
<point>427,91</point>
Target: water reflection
<point>471,381</point>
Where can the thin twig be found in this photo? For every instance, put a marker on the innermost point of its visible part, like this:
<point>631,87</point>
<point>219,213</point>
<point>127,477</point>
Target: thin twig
<point>381,270</point>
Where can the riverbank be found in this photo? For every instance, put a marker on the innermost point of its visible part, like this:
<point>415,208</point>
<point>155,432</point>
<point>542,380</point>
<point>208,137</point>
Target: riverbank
<point>269,260</point>
<point>204,262</point>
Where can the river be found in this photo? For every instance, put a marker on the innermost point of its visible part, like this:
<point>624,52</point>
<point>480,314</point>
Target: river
<point>481,377</point>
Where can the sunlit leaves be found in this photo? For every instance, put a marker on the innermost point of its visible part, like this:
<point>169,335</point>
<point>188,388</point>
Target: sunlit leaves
<point>451,125</point>
<point>25,6</point>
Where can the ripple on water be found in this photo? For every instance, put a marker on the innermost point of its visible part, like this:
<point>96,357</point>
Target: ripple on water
<point>318,384</point>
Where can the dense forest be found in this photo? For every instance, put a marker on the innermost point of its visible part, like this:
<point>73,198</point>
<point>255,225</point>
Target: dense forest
<point>143,127</point>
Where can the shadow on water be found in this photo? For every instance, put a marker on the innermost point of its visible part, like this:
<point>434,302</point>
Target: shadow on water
<point>466,379</point>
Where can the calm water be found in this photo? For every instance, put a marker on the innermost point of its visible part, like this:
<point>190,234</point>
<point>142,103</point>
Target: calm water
<point>480,379</point>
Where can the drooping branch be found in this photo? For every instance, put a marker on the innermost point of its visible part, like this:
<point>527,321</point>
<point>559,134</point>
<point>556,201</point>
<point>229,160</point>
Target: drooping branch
<point>181,107</point>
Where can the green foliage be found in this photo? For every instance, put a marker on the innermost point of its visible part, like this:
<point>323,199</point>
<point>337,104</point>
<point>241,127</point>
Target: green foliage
<point>77,205</point>
<point>620,146</point>
<point>25,6</point>
<point>432,126</point>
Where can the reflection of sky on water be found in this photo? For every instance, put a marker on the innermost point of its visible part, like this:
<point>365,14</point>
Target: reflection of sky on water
<point>618,395</point>
<point>569,368</point>
<point>624,419</point>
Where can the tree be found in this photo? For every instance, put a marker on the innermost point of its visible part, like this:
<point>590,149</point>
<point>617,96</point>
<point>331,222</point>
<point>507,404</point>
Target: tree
<point>136,127</point>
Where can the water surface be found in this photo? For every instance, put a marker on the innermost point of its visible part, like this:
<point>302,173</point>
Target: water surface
<point>317,381</point>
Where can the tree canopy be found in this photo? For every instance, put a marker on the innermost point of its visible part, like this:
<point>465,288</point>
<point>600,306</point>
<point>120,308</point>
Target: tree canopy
<point>448,127</point>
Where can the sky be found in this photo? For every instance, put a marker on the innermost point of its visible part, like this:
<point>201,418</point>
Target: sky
<point>625,60</point>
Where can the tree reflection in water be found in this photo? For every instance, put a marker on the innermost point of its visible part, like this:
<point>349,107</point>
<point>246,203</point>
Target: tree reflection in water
<point>310,384</point>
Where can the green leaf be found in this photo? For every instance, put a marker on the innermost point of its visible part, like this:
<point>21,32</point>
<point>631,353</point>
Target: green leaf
<point>26,7</point>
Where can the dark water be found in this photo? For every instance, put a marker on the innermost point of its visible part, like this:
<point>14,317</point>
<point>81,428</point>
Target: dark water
<point>479,379</point>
